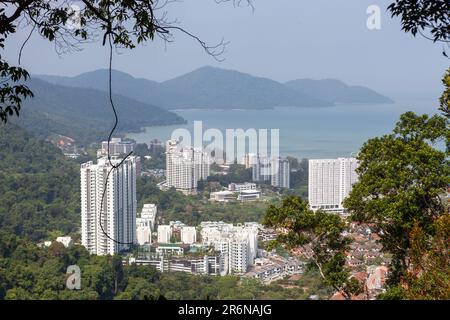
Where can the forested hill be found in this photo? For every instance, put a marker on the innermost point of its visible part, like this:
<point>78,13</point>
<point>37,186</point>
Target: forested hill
<point>39,189</point>
<point>216,88</point>
<point>85,114</point>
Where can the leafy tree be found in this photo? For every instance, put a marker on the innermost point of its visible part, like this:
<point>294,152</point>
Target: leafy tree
<point>402,177</point>
<point>429,277</point>
<point>445,97</point>
<point>424,16</point>
<point>117,273</point>
<point>319,234</point>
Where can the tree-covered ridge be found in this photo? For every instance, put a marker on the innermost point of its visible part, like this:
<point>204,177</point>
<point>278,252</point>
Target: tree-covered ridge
<point>85,114</point>
<point>39,189</point>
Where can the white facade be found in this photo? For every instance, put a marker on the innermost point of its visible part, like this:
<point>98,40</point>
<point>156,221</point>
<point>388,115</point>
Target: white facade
<point>188,235</point>
<point>238,245</point>
<point>261,168</point>
<point>164,233</point>
<point>66,241</point>
<point>185,166</point>
<point>116,147</point>
<point>222,196</point>
<point>275,170</point>
<point>149,211</point>
<point>238,187</point>
<point>143,231</point>
<point>330,181</point>
<point>114,229</point>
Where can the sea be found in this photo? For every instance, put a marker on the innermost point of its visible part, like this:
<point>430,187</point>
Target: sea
<point>330,132</point>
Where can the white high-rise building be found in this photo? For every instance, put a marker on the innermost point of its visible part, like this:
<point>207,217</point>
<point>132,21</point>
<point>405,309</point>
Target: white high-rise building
<point>188,235</point>
<point>261,168</point>
<point>143,231</point>
<point>148,212</point>
<point>330,181</point>
<point>276,170</point>
<point>185,166</point>
<point>248,159</point>
<point>281,172</point>
<point>164,233</point>
<point>114,229</point>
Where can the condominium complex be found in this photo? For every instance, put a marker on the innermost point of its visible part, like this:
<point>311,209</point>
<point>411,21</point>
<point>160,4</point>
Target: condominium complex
<point>143,231</point>
<point>117,147</point>
<point>237,244</point>
<point>114,228</point>
<point>185,166</point>
<point>145,224</point>
<point>281,173</point>
<point>188,235</point>
<point>330,181</point>
<point>261,168</point>
<point>164,233</point>
<point>238,187</point>
<point>275,170</point>
<point>148,212</point>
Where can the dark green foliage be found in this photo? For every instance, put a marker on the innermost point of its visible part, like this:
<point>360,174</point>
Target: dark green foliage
<point>29,272</point>
<point>85,114</point>
<point>402,179</point>
<point>299,176</point>
<point>158,160</point>
<point>445,97</point>
<point>320,235</point>
<point>12,92</point>
<point>237,174</point>
<point>424,16</point>
<point>39,189</point>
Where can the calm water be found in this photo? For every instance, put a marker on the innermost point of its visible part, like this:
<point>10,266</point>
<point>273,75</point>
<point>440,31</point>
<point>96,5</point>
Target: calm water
<point>304,132</point>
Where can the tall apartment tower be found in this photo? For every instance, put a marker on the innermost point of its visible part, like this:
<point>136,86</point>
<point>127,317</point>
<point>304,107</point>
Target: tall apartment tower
<point>185,166</point>
<point>118,216</point>
<point>281,171</point>
<point>330,181</point>
<point>261,168</point>
<point>275,170</point>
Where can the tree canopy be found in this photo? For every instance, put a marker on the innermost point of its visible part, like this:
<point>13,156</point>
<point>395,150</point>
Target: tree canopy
<point>402,184</point>
<point>320,235</point>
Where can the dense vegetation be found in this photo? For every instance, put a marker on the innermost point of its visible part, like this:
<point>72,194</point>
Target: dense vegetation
<point>29,272</point>
<point>237,173</point>
<point>85,114</point>
<point>402,193</point>
<point>39,189</point>
<point>173,205</point>
<point>39,200</point>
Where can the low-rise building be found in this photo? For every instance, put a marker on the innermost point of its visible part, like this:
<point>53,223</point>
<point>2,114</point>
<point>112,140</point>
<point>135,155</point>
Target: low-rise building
<point>170,249</point>
<point>222,196</point>
<point>238,187</point>
<point>66,241</point>
<point>249,195</point>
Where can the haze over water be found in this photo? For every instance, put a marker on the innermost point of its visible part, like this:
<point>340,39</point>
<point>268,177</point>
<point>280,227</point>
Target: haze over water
<point>304,132</point>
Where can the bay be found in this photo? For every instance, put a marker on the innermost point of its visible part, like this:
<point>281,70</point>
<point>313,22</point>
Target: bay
<point>330,132</point>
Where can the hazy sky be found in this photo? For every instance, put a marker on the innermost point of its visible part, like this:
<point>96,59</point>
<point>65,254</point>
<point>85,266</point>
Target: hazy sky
<point>281,39</point>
